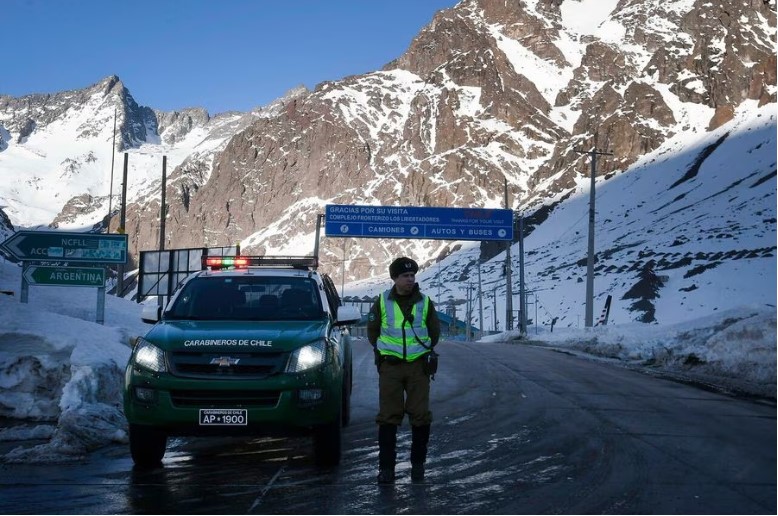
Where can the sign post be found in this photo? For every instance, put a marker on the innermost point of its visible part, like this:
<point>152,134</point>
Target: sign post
<point>100,316</point>
<point>25,290</point>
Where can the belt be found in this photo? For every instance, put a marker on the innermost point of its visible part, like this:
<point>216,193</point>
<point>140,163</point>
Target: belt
<point>392,359</point>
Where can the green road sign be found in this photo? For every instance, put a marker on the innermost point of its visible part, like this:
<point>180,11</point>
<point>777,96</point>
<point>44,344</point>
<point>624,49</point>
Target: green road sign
<point>65,276</point>
<point>64,246</point>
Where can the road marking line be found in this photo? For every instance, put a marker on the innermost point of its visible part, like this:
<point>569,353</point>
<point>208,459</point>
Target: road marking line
<point>267,488</point>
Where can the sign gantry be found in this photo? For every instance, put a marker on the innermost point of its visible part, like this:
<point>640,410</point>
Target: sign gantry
<point>364,221</point>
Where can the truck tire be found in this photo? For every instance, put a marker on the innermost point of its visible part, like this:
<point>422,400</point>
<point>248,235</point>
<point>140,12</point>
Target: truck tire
<point>147,445</point>
<point>346,410</point>
<point>327,443</point>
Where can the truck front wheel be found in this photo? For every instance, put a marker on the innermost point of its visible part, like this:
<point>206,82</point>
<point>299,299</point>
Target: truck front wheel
<point>345,411</point>
<point>147,445</point>
<point>327,443</point>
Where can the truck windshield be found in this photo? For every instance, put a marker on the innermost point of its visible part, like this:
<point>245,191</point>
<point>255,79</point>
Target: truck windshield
<point>248,298</point>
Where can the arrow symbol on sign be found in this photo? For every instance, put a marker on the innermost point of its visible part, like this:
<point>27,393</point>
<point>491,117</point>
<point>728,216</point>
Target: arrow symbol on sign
<point>11,245</point>
<point>501,233</point>
<point>344,228</point>
<point>414,230</point>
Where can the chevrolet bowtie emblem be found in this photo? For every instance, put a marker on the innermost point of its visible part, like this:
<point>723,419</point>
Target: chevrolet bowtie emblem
<point>225,361</point>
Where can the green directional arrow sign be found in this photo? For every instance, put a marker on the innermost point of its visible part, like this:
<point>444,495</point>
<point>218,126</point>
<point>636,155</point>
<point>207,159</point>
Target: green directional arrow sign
<point>65,246</point>
<point>65,276</point>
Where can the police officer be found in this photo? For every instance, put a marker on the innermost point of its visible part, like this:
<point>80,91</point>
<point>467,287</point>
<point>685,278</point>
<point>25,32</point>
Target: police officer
<point>403,327</point>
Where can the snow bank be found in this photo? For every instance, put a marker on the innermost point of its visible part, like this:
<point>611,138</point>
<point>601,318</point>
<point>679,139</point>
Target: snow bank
<point>63,370</point>
<point>734,350</point>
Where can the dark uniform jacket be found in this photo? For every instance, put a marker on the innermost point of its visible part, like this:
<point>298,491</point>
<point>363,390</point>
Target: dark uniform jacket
<point>406,305</point>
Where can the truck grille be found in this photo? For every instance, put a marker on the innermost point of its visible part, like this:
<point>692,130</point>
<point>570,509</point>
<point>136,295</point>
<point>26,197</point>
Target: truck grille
<point>231,399</point>
<point>240,366</point>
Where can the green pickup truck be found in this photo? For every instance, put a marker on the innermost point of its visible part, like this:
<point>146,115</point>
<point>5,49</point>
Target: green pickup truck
<point>248,346</point>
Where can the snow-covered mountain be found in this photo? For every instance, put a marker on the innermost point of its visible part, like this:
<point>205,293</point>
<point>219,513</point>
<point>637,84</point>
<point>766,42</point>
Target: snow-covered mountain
<point>67,139</point>
<point>682,92</point>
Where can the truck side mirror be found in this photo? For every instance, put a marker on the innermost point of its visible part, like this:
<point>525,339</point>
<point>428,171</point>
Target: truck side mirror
<point>150,313</point>
<point>348,315</point>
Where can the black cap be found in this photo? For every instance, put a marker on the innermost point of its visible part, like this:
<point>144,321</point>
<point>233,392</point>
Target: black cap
<point>402,265</point>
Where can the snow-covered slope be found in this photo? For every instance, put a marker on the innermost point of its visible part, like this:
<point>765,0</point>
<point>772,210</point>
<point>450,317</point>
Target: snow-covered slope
<point>699,213</point>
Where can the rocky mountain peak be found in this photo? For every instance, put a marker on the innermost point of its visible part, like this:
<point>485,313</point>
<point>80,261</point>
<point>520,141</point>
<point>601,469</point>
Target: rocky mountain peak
<point>111,85</point>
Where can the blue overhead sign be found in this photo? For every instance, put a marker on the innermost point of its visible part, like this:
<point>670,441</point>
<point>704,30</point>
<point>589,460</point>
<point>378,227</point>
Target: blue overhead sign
<point>362,221</point>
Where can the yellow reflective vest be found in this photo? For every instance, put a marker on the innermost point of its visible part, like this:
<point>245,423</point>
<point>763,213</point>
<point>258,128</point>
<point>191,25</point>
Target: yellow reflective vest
<point>399,336</point>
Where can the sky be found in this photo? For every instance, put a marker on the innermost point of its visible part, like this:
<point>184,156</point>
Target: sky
<point>61,372</point>
<point>223,56</point>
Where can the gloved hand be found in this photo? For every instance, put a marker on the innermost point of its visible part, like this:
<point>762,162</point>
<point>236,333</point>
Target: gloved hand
<point>430,364</point>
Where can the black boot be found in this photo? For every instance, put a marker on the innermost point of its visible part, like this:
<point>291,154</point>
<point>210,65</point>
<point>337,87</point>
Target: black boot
<point>420,438</point>
<point>387,453</point>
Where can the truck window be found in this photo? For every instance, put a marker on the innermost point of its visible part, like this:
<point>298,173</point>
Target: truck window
<point>257,298</point>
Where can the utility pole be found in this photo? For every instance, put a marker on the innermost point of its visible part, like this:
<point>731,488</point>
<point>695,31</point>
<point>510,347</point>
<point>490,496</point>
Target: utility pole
<point>589,320</point>
<point>122,230</point>
<point>123,213</point>
<point>522,298</point>
<point>113,153</point>
<point>343,271</point>
<point>439,281</point>
<point>163,207</point>
<point>162,215</point>
<point>467,313</point>
<point>494,307</point>
<point>480,302</point>
<point>319,219</point>
<point>508,280</point>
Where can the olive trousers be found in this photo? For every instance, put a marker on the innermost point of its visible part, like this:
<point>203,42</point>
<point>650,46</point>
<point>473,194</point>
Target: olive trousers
<point>403,388</point>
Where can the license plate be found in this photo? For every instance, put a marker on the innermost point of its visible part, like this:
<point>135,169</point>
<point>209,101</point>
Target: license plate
<point>224,417</point>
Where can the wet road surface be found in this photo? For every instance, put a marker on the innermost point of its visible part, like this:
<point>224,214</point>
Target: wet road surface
<point>517,430</point>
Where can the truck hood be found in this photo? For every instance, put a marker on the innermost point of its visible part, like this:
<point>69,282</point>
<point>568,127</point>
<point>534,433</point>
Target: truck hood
<point>235,335</point>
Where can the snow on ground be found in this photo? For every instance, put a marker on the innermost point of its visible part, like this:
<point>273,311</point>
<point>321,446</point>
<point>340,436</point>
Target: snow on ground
<point>61,373</point>
<point>733,351</point>
<point>587,17</point>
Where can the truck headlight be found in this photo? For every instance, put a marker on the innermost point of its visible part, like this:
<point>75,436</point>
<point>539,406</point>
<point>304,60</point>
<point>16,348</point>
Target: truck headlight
<point>149,356</point>
<point>306,357</point>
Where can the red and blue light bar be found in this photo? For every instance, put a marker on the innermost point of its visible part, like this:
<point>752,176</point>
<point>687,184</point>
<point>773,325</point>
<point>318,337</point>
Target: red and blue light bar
<point>241,262</point>
<point>224,262</point>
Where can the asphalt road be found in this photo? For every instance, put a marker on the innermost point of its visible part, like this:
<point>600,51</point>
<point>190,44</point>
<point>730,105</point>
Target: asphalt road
<point>517,430</point>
